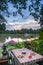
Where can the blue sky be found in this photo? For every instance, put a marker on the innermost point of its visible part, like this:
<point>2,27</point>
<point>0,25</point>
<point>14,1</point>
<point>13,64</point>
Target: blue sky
<point>11,9</point>
<point>19,18</point>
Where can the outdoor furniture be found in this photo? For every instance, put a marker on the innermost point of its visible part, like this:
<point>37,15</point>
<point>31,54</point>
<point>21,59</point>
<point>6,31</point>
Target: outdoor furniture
<point>25,58</point>
<point>3,59</point>
<point>10,59</point>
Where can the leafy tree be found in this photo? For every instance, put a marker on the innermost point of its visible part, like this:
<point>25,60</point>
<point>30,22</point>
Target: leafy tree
<point>19,4</point>
<point>36,10</point>
<point>3,8</point>
<point>3,5</point>
<point>41,33</point>
<point>2,27</point>
<point>2,19</point>
<point>41,16</point>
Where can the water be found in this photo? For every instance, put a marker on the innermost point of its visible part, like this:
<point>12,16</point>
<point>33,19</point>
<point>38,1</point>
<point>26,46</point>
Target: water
<point>4,37</point>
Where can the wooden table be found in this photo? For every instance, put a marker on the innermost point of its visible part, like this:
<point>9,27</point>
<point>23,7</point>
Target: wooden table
<point>3,58</point>
<point>25,60</point>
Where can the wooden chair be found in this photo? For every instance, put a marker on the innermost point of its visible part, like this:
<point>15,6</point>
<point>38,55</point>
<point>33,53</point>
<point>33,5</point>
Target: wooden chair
<point>10,59</point>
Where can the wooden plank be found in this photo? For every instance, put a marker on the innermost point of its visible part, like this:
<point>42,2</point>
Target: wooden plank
<point>35,57</point>
<point>4,60</point>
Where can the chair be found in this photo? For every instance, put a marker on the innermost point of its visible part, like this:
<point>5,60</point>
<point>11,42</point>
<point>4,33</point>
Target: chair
<point>10,59</point>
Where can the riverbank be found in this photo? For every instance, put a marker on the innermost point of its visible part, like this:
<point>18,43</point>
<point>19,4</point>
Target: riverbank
<point>24,36</point>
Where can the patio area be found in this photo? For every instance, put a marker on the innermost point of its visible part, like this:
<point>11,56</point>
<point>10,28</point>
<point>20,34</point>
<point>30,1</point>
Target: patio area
<point>20,56</point>
<point>21,32</point>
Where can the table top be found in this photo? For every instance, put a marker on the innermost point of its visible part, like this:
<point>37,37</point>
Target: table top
<point>30,56</point>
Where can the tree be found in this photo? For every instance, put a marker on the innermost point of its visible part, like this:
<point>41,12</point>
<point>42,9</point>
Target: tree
<point>2,19</point>
<point>3,5</point>
<point>3,8</point>
<point>2,27</point>
<point>37,13</point>
<point>41,16</point>
<point>19,4</point>
<point>36,10</point>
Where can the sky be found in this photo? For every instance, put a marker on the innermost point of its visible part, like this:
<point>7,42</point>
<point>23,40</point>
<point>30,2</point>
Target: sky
<point>19,20</point>
<point>28,24</point>
<point>11,9</point>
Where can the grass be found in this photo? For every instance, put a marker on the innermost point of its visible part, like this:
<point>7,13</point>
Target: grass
<point>1,50</point>
<point>14,46</point>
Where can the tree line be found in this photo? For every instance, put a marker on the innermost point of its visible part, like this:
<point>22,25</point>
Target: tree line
<point>22,31</point>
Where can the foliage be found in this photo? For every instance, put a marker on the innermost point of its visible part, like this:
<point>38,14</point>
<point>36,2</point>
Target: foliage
<point>19,4</point>
<point>2,19</point>
<point>40,48</point>
<point>14,46</point>
<point>2,27</point>
<point>3,5</point>
<point>35,5</point>
<point>3,8</point>
<point>4,50</point>
<point>41,15</point>
<point>10,46</point>
<point>23,31</point>
<point>26,44</point>
<point>19,44</point>
<point>36,10</point>
<point>41,33</point>
<point>38,45</point>
<point>1,50</point>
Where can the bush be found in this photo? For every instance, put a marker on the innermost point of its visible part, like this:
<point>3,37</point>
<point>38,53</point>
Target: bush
<point>41,34</point>
<point>27,44</point>
<point>19,45</point>
<point>40,48</point>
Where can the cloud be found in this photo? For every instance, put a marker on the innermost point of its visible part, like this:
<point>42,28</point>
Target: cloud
<point>27,24</point>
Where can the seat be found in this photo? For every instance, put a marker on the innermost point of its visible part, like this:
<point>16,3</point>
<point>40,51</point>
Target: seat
<point>10,59</point>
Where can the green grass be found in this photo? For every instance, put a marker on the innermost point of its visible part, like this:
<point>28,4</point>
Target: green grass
<point>1,50</point>
<point>14,46</point>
